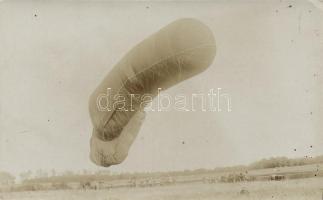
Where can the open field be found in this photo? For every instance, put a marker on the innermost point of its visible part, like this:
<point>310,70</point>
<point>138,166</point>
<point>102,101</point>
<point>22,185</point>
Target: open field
<point>310,188</point>
<point>300,182</point>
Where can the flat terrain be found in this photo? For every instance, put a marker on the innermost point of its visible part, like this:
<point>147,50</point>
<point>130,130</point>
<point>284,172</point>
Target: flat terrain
<point>310,188</point>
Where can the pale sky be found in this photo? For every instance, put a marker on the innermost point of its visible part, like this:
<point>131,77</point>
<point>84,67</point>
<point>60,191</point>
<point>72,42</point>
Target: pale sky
<point>53,55</point>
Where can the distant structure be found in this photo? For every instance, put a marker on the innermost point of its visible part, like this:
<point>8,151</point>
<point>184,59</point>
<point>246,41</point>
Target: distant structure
<point>275,177</point>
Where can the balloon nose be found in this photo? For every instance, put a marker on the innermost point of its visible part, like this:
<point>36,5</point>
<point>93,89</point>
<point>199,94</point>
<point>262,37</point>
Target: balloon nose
<point>107,153</point>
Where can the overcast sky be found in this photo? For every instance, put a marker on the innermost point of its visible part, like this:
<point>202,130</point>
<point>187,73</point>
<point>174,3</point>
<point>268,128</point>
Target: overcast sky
<point>53,55</point>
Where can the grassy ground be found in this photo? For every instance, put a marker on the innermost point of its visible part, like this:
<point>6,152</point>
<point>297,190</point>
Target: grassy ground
<point>311,188</point>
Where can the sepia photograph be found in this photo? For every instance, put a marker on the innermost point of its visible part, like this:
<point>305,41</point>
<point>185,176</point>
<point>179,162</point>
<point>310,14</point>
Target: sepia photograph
<point>161,100</point>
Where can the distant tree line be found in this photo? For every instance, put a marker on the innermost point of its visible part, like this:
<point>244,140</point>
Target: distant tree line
<point>285,162</point>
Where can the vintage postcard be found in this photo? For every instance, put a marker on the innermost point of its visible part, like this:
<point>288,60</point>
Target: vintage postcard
<point>161,100</point>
